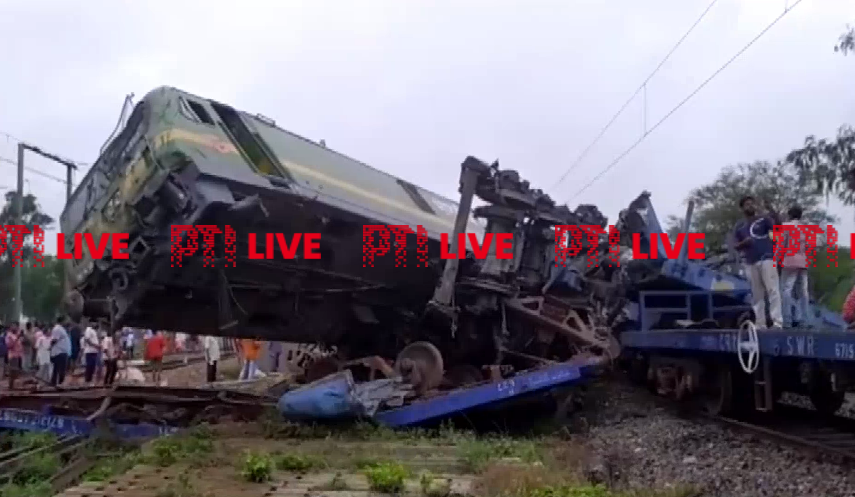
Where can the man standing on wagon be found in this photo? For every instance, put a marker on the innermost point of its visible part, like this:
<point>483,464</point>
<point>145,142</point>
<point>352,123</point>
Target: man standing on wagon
<point>753,237</point>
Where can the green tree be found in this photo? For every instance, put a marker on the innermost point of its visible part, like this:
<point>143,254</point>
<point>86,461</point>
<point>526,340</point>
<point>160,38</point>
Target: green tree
<point>828,165</point>
<point>32,215</point>
<point>41,289</point>
<point>846,43</point>
<point>831,285</point>
<point>717,211</point>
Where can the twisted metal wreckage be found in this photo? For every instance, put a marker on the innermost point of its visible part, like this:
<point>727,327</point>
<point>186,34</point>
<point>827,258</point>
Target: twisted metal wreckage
<point>182,159</point>
<point>404,345</point>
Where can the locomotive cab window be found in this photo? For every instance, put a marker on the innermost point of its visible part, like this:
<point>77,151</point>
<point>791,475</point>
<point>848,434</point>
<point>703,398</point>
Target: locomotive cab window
<point>247,142</point>
<point>196,111</point>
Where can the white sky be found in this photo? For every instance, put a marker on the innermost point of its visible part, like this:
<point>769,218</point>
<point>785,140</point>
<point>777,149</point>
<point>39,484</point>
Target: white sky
<point>412,87</point>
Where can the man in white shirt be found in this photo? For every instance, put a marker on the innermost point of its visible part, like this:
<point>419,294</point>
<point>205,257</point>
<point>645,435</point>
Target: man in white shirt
<point>91,348</point>
<point>60,350</point>
<point>110,349</point>
<point>212,356</point>
<point>794,276</point>
<point>43,356</point>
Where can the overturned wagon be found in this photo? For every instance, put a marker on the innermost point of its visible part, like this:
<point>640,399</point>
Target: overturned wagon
<point>185,160</point>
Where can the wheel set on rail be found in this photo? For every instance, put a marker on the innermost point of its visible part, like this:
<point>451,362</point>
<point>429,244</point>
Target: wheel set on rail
<point>730,384</point>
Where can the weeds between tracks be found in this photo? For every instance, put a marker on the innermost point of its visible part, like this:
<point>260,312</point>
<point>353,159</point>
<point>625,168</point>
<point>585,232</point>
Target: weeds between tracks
<point>258,458</point>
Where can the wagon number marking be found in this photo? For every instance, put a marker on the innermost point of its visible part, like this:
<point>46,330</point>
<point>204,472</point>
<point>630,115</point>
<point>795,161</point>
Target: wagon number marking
<point>506,387</point>
<point>844,350</point>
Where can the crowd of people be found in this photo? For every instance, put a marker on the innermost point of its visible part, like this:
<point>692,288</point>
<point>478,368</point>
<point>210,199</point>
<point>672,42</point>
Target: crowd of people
<point>52,353</point>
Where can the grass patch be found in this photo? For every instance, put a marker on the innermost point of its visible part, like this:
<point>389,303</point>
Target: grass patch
<point>298,462</point>
<point>432,486</point>
<point>37,469</point>
<point>182,487</point>
<point>257,467</point>
<point>387,478</point>
<point>26,439</point>
<point>41,489</point>
<point>476,454</point>
<point>274,427</point>
<point>197,446</point>
<point>32,479</point>
<point>112,465</point>
<point>522,480</point>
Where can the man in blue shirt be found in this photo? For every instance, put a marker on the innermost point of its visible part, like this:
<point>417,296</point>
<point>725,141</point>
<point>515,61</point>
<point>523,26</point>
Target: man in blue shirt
<point>753,237</point>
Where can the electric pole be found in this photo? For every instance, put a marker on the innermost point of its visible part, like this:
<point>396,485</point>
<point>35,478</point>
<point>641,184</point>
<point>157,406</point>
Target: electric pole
<point>70,166</point>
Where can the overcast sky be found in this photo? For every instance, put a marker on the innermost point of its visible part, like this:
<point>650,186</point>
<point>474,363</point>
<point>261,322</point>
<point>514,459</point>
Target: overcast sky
<point>412,87</point>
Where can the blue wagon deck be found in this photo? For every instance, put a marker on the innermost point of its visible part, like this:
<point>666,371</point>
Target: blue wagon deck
<point>491,393</point>
<point>829,345</point>
<point>338,396</point>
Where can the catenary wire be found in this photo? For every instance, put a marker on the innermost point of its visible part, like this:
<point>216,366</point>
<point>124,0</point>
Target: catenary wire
<point>677,107</point>
<point>632,97</point>
<point>43,174</point>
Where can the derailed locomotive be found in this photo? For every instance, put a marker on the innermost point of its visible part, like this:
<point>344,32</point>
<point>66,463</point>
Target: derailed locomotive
<point>185,160</point>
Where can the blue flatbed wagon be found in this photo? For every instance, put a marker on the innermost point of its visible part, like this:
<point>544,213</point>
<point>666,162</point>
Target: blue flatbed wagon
<point>731,369</point>
<point>831,345</point>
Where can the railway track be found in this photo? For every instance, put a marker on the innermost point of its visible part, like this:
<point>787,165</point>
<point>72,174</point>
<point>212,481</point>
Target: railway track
<point>69,450</point>
<point>825,436</point>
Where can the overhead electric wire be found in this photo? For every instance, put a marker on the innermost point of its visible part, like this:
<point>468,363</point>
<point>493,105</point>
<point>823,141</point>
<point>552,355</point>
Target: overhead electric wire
<point>11,137</point>
<point>683,102</point>
<point>33,170</point>
<point>634,94</point>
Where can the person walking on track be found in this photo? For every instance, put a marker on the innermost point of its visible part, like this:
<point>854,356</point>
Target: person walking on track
<point>753,237</point>
<point>274,351</point>
<point>154,349</point>
<point>91,350</point>
<point>74,335</point>
<point>211,345</point>
<point>110,348</point>
<point>250,349</point>
<point>43,356</point>
<point>60,350</point>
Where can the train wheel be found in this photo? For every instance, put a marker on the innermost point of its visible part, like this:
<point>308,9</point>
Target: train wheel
<point>717,393</point>
<point>823,397</point>
<point>421,363</point>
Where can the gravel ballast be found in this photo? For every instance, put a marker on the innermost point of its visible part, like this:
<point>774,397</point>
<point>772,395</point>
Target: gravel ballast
<point>637,443</point>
